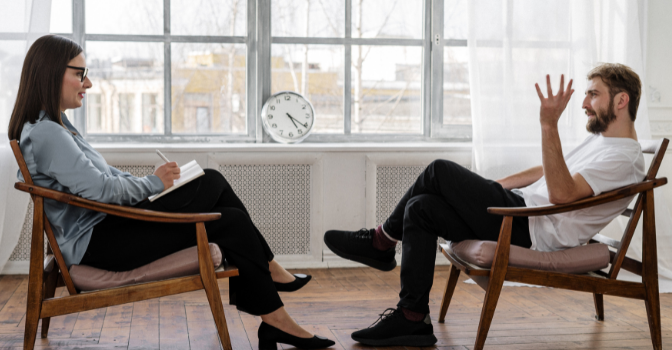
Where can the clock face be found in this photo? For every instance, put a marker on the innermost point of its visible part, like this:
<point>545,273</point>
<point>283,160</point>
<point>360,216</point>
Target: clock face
<point>288,117</point>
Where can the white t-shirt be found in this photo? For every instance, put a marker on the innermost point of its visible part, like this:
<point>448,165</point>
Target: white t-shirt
<point>606,163</point>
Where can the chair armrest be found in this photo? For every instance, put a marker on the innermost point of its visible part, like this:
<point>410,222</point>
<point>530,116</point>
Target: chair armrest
<point>610,196</point>
<point>118,210</point>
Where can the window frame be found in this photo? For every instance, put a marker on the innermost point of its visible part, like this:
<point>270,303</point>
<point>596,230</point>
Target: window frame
<point>258,76</point>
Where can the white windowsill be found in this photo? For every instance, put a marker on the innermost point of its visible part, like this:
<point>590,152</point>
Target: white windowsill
<point>276,147</point>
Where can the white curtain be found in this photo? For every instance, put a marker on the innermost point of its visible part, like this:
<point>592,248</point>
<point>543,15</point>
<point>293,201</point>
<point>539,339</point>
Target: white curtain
<point>29,19</point>
<point>513,44</point>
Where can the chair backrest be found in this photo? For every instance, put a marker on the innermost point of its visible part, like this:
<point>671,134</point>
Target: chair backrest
<point>51,239</point>
<point>657,148</point>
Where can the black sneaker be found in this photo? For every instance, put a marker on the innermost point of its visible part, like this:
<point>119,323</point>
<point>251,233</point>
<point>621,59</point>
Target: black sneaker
<point>393,329</point>
<point>358,246</point>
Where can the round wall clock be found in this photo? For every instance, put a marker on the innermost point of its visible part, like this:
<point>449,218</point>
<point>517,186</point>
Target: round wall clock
<point>288,117</point>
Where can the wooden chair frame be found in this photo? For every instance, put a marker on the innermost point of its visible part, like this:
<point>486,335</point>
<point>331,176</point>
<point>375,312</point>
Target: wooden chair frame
<point>597,282</point>
<point>46,272</point>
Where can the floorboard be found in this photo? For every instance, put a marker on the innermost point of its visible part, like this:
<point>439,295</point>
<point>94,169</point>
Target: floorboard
<point>336,303</point>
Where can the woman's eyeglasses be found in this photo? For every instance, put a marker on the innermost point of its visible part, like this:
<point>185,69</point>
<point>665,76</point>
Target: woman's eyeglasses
<point>85,71</point>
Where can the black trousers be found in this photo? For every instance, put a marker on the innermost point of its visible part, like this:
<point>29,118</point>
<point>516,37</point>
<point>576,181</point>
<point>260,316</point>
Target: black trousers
<point>449,201</point>
<point>119,244</point>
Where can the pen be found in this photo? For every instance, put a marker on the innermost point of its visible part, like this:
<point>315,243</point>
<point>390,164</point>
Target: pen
<point>162,156</point>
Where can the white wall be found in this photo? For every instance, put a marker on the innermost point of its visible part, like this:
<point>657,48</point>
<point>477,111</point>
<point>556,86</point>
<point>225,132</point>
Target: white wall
<point>659,78</point>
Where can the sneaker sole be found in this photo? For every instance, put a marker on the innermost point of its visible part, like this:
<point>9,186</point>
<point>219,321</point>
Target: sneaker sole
<point>406,340</point>
<point>364,260</point>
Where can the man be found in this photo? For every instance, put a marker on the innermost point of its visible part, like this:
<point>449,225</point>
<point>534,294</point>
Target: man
<point>450,201</point>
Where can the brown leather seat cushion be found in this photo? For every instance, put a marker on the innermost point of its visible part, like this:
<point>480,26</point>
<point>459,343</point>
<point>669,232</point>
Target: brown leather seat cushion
<point>579,259</point>
<point>182,263</point>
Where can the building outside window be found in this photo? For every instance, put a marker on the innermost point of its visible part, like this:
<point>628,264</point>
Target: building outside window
<point>200,70</point>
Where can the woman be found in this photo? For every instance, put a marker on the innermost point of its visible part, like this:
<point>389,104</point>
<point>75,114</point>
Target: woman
<point>54,79</point>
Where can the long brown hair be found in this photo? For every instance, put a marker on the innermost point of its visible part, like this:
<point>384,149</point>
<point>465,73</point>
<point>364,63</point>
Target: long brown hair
<point>41,82</point>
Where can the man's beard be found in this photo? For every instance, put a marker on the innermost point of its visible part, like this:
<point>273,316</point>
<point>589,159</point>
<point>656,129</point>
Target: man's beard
<point>602,118</point>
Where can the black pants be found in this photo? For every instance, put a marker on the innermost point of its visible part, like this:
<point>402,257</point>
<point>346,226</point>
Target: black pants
<point>119,244</point>
<point>449,201</point>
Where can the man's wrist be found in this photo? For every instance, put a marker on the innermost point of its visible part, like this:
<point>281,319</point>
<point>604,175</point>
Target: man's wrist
<point>549,126</point>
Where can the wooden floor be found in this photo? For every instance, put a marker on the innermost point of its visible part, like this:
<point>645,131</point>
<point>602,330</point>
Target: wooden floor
<point>337,302</point>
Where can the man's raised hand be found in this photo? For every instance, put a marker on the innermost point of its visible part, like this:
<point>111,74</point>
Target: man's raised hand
<point>552,107</point>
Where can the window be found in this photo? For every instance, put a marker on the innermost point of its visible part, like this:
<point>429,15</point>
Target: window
<point>200,70</point>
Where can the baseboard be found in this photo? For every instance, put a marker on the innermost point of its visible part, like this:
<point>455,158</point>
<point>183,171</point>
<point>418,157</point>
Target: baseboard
<point>334,261</point>
<point>16,268</point>
<point>329,261</point>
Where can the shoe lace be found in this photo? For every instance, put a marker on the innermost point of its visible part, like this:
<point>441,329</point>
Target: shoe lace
<point>389,312</point>
<point>364,234</point>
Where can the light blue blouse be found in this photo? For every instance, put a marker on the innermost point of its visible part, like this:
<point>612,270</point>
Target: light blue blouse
<point>59,160</point>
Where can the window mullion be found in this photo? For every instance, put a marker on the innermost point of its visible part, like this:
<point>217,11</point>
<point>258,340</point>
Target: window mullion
<point>426,68</point>
<point>263,62</point>
<point>347,71</point>
<point>437,42</point>
<point>79,36</point>
<point>251,68</point>
<point>167,72</point>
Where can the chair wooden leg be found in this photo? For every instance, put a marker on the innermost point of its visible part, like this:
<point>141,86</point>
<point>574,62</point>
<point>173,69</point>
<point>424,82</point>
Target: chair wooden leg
<point>500,265</point>
<point>448,294</point>
<point>488,311</point>
<point>35,276</point>
<point>210,285</point>
<point>650,271</point>
<point>599,306</point>
<point>49,291</point>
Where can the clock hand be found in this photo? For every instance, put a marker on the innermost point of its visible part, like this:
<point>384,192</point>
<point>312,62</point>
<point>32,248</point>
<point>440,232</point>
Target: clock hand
<point>292,119</point>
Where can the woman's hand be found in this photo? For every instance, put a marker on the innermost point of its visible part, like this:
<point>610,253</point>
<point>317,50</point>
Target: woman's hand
<point>168,173</point>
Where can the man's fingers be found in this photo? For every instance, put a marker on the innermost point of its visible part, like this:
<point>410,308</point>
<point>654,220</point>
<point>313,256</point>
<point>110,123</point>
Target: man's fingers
<point>541,96</point>
<point>569,86</point>
<point>561,91</point>
<point>548,86</point>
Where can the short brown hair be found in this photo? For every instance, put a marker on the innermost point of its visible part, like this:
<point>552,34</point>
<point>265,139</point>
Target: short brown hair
<point>620,78</point>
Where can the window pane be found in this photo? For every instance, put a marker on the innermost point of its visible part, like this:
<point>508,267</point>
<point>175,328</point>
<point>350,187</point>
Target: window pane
<point>94,113</point>
<point>386,89</point>
<point>387,19</point>
<point>208,88</point>
<point>308,18</point>
<point>61,16</point>
<point>122,74</point>
<point>455,19</point>
<point>322,65</point>
<point>124,17</point>
<point>208,17</point>
<point>456,96</point>
<point>13,17</point>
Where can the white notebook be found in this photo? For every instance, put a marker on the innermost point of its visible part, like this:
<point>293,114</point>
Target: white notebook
<point>188,172</point>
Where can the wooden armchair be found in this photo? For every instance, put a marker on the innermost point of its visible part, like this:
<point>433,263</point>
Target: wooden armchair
<point>47,272</point>
<point>597,282</point>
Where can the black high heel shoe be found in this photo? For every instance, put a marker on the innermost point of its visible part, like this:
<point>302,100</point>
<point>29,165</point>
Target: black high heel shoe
<point>269,337</point>
<point>298,283</point>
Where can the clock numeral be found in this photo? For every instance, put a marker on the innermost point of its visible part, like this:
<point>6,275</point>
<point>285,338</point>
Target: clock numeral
<point>291,135</point>
<point>300,132</point>
<point>287,97</point>
<point>272,108</point>
<point>280,132</point>
<point>274,125</point>
<point>303,106</point>
<point>270,116</point>
<point>307,115</point>
<point>277,100</point>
